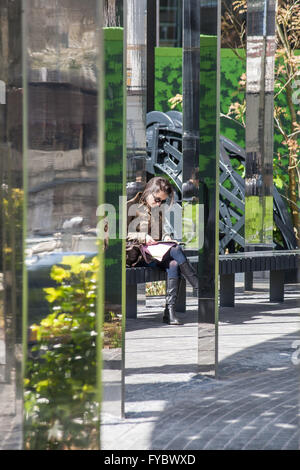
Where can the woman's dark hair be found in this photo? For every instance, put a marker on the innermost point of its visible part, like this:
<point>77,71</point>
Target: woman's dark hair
<point>158,183</point>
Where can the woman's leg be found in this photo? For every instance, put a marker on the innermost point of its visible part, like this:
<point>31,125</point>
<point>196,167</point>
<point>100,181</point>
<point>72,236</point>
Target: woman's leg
<point>171,297</point>
<point>184,265</point>
<point>172,269</point>
<point>177,254</point>
<point>172,260</point>
<point>172,286</point>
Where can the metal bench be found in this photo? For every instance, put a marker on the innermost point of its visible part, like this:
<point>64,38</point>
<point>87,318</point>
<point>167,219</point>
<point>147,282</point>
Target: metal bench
<point>135,276</point>
<point>277,263</point>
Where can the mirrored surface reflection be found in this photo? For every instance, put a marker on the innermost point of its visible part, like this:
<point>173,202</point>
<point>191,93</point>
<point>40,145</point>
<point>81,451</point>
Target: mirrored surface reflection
<point>61,391</point>
<point>200,165</point>
<point>115,166</point>
<point>136,92</point>
<point>11,206</point>
<point>191,109</point>
<point>259,130</point>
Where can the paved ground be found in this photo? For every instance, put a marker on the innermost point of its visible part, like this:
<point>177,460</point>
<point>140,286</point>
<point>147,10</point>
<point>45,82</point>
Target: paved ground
<point>10,419</point>
<point>10,405</point>
<point>254,404</point>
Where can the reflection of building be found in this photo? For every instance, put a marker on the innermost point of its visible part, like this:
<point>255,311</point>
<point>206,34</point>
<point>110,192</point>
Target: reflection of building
<point>62,115</point>
<point>170,23</point>
<point>62,156</point>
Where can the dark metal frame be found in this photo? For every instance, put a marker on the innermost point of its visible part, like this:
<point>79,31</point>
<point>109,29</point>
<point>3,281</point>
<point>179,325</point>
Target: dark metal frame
<point>164,156</point>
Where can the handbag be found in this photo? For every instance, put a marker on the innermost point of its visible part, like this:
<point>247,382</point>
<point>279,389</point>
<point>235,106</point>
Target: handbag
<point>133,253</point>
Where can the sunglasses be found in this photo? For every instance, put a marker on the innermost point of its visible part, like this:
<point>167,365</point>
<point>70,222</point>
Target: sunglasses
<point>159,200</point>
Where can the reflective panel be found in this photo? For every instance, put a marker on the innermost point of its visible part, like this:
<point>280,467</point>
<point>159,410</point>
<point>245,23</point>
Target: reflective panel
<point>201,167</point>
<point>136,93</point>
<point>259,129</point>
<point>152,37</point>
<point>115,202</point>
<point>11,207</point>
<point>61,47</point>
<point>170,23</point>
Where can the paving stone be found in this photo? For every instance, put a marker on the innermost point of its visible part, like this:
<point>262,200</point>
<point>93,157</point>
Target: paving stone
<point>254,403</point>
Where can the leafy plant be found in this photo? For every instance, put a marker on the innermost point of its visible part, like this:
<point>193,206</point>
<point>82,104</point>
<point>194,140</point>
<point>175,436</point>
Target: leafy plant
<point>176,102</point>
<point>286,116</point>
<point>155,288</point>
<point>60,399</point>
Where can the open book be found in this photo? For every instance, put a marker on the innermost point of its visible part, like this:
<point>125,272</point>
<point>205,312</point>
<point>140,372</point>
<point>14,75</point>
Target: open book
<point>159,250</point>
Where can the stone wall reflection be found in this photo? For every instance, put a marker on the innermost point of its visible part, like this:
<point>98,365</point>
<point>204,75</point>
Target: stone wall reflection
<point>136,90</point>
<point>62,95</point>
<point>61,396</point>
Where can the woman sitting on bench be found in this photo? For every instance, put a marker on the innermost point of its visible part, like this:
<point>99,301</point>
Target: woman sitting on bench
<point>145,227</point>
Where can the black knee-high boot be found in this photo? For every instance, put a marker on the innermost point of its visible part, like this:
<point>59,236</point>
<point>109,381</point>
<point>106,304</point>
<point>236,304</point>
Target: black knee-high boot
<point>171,297</point>
<point>189,274</point>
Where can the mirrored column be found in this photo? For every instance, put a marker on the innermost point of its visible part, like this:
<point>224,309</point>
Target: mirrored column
<point>200,167</point>
<point>115,201</point>
<point>136,94</point>
<point>64,260</point>
<point>152,33</point>
<point>259,129</point>
<point>11,206</point>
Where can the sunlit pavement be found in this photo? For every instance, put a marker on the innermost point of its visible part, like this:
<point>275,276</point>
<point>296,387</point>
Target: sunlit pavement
<point>254,403</point>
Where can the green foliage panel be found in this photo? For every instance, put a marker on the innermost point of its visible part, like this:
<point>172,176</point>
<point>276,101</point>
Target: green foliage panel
<point>208,160</point>
<point>208,110</point>
<point>168,83</point>
<point>168,76</point>
<point>113,159</point>
<point>259,219</point>
<point>232,67</point>
<point>281,160</point>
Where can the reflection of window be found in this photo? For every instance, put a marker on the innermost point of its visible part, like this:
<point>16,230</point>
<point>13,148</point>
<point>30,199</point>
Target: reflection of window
<point>209,17</point>
<point>170,23</point>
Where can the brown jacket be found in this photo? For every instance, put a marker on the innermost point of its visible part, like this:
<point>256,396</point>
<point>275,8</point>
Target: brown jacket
<point>141,221</point>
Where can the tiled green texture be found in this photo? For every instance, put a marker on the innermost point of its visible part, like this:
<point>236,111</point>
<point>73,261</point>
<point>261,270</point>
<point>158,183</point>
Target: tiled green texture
<point>259,227</point>
<point>168,83</point>
<point>113,44</point>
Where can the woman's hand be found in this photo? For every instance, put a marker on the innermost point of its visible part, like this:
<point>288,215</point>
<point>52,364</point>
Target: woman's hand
<point>150,240</point>
<point>167,238</point>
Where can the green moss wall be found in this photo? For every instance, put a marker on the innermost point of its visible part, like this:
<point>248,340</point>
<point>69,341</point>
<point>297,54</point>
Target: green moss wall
<point>114,112</point>
<point>168,76</point>
<point>168,82</point>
